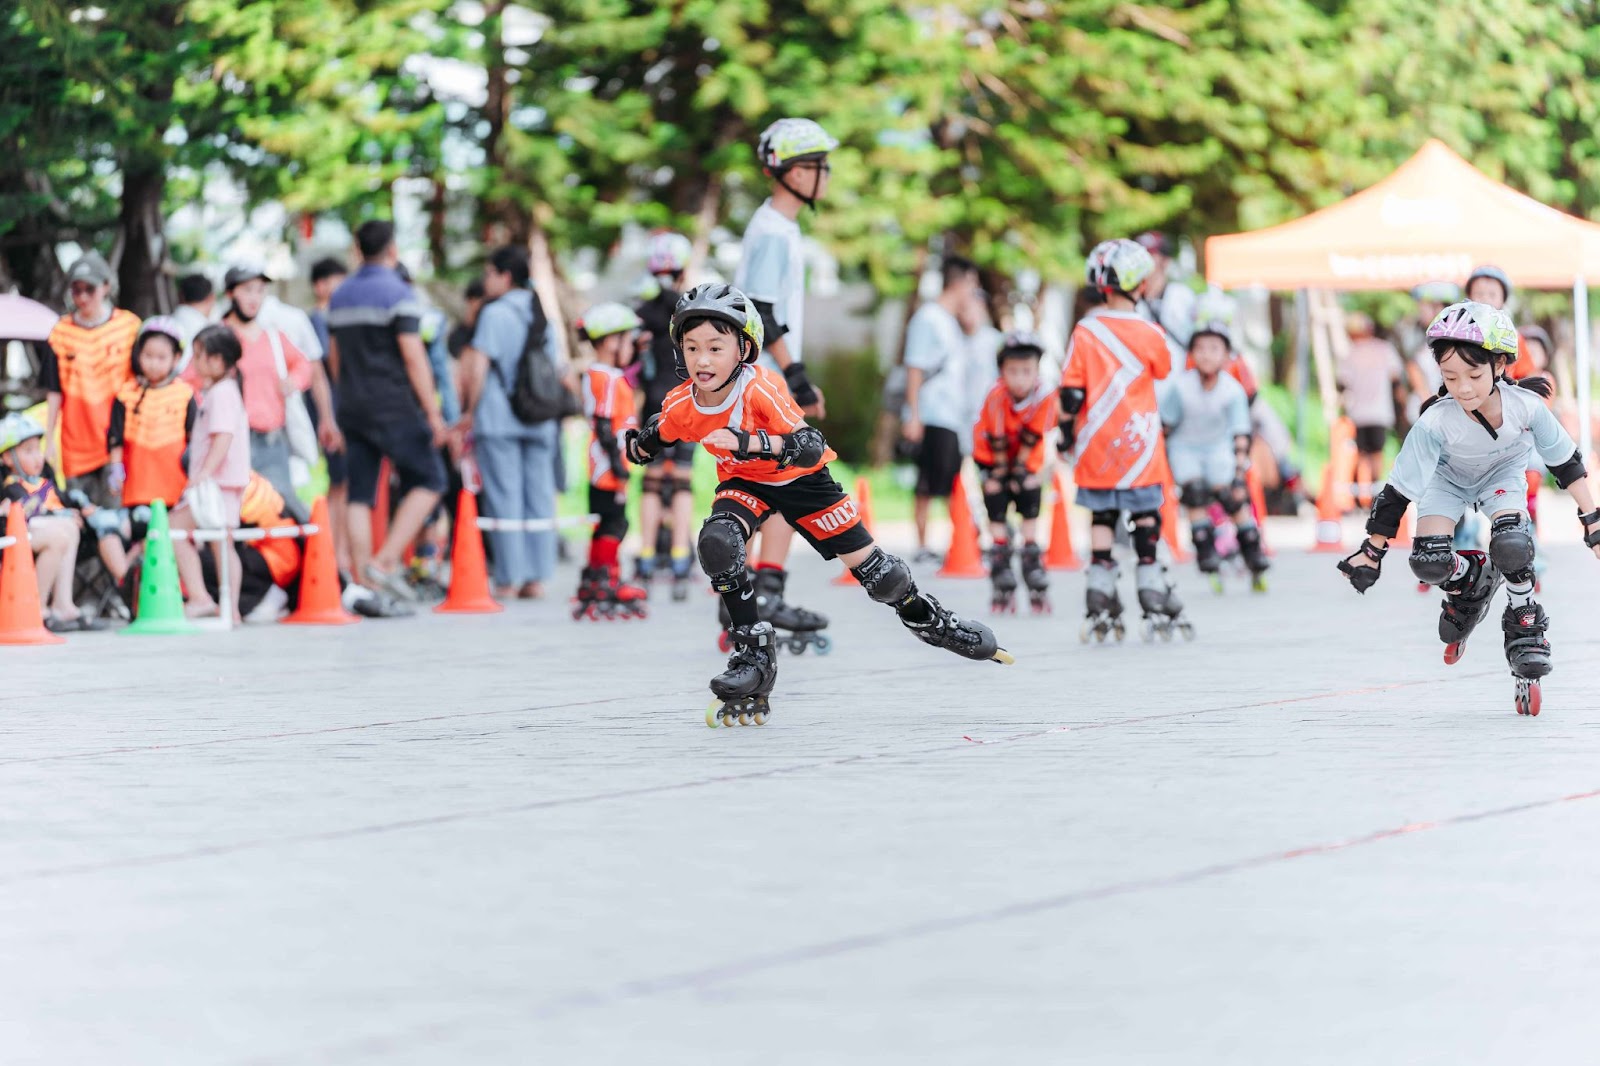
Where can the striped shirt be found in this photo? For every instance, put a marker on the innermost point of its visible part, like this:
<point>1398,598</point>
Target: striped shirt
<point>87,367</point>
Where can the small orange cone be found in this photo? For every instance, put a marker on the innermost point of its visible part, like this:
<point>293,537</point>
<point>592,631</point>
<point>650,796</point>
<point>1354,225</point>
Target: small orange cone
<point>1258,506</point>
<point>469,571</point>
<point>321,603</point>
<point>21,616</point>
<point>1060,555</point>
<point>864,508</point>
<point>964,558</point>
<point>1169,523</point>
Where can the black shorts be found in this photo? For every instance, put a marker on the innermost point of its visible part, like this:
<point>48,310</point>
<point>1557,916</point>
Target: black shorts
<point>1371,439</point>
<point>1012,493</point>
<point>405,440</point>
<point>938,462</point>
<point>815,505</point>
<point>674,460</point>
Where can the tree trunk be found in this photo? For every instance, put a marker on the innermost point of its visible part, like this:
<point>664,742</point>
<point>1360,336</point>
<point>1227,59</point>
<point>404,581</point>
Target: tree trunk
<point>144,285</point>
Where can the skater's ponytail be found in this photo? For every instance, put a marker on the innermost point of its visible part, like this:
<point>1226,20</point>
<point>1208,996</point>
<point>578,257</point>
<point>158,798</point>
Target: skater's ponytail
<point>1537,384</point>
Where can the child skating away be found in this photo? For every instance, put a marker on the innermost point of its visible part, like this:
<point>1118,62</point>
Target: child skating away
<point>769,461</point>
<point>54,530</point>
<point>151,420</point>
<point>1008,447</point>
<point>1469,449</point>
<point>219,469</point>
<point>1206,417</point>
<point>1111,425</point>
<point>608,405</point>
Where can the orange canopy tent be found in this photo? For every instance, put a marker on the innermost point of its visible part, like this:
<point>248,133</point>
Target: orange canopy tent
<point>1434,219</point>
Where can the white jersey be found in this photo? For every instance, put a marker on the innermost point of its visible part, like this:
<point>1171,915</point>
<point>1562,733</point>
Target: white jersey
<point>772,269</point>
<point>1202,418</point>
<point>1447,440</point>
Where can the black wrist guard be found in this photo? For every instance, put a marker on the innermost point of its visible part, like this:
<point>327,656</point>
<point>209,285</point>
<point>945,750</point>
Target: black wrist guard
<point>1387,510</point>
<point>805,394</point>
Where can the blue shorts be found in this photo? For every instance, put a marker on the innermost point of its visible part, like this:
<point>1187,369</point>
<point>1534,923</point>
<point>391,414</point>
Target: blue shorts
<point>1134,501</point>
<point>1213,466</point>
<point>404,440</point>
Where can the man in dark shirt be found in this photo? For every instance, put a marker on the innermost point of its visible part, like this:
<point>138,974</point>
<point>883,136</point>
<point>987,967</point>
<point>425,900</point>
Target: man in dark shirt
<point>388,406</point>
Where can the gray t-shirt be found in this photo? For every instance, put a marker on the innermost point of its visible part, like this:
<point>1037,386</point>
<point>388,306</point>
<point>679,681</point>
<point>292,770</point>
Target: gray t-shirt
<point>936,346</point>
<point>1446,440</point>
<point>1204,418</point>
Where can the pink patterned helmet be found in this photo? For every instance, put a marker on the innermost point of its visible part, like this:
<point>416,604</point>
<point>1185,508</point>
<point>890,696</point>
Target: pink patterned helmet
<point>1476,323</point>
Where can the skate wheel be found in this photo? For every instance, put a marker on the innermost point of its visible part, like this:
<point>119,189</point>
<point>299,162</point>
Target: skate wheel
<point>794,645</point>
<point>759,717</point>
<point>1187,630</point>
<point>1528,697</point>
<point>1453,652</point>
<point>1147,631</point>
<point>822,645</point>
<point>711,715</point>
<point>1083,633</point>
<point>1003,657</point>
<point>724,642</point>
<point>1166,634</point>
<point>744,717</point>
<point>1119,631</point>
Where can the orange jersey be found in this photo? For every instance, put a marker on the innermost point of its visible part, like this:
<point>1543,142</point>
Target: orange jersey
<point>1116,358</point>
<point>262,506</point>
<point>152,428</point>
<point>607,396</point>
<point>1010,433</point>
<point>90,366</point>
<point>757,400</point>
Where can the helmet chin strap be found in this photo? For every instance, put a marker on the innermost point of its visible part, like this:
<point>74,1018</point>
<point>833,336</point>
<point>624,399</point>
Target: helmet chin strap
<point>783,180</point>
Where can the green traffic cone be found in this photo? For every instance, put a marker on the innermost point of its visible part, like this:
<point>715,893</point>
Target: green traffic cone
<point>160,600</point>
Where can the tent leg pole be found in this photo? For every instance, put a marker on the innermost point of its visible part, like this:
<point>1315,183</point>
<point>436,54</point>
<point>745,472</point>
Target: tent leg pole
<point>1580,342</point>
<point>1302,369</point>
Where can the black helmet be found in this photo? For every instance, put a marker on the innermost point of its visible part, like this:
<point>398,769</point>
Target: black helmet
<point>240,273</point>
<point>723,302</point>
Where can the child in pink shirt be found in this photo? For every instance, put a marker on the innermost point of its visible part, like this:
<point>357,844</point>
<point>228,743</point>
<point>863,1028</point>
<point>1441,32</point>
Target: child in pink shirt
<point>219,465</point>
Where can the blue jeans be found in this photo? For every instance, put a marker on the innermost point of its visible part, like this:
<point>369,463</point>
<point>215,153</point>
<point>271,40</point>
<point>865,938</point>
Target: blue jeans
<point>519,482</point>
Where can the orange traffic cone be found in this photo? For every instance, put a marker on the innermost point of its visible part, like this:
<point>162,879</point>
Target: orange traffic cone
<point>964,558</point>
<point>1169,523</point>
<point>1258,506</point>
<point>1060,555</point>
<point>469,572</point>
<point>321,603</point>
<point>864,508</point>
<point>21,616</point>
<point>1336,497</point>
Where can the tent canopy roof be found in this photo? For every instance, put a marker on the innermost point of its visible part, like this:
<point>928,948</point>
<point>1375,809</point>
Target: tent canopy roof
<point>1433,219</point>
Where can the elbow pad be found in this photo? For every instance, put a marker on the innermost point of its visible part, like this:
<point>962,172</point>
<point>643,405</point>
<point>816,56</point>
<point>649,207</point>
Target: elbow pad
<point>1570,471</point>
<point>1387,510</point>
<point>1072,401</point>
<point>803,447</point>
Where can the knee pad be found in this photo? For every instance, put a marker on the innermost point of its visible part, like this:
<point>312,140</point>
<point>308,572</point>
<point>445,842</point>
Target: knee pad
<point>1195,494</point>
<point>652,484</point>
<point>886,578</point>
<point>1511,546</point>
<point>1433,559</point>
<point>1029,502</point>
<point>1146,535</point>
<point>1104,518</point>
<point>722,555</point>
<point>995,504</point>
<point>680,483</point>
<point>1231,502</point>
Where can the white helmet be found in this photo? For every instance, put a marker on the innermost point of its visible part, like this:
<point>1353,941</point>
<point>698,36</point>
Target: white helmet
<point>669,253</point>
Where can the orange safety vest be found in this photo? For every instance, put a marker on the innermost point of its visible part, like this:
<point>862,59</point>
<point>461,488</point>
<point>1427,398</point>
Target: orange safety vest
<point>92,365</point>
<point>155,432</point>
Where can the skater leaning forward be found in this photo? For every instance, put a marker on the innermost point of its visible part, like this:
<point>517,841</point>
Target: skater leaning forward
<point>1111,425</point>
<point>769,461</point>
<point>1205,414</point>
<point>1469,449</point>
<point>1008,447</point>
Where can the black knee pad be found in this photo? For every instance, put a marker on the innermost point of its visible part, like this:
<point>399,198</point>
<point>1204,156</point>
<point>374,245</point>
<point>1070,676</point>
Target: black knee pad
<point>651,485</point>
<point>886,578</point>
<point>995,504</point>
<point>722,556</point>
<point>1104,518</point>
<point>1195,494</point>
<point>1146,535</point>
<point>1433,559</point>
<point>1029,501</point>
<point>1232,503</point>
<point>679,483</point>
<point>1511,546</point>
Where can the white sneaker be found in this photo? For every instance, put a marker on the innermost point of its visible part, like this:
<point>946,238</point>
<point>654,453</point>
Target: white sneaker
<point>271,608</point>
